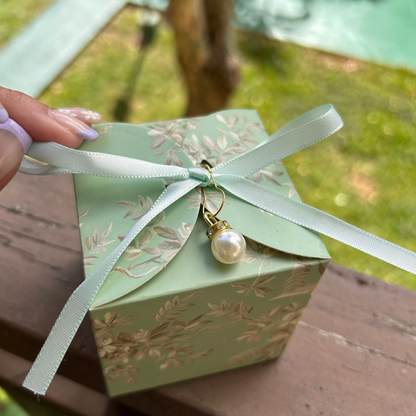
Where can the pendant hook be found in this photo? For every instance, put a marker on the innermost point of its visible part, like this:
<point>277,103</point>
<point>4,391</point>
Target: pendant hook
<point>209,218</point>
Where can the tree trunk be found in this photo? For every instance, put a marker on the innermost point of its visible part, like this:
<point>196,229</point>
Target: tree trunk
<point>202,36</point>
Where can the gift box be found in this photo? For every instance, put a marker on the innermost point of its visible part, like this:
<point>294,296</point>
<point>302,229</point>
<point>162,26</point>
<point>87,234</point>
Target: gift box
<point>168,310</point>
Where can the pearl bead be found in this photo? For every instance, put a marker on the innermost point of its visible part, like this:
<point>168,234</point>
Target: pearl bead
<point>228,246</point>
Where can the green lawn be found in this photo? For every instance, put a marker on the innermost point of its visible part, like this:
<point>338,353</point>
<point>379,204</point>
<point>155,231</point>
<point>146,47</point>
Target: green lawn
<point>364,174</point>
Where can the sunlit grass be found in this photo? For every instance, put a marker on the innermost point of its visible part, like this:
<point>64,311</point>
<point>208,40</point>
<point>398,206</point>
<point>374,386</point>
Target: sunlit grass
<point>363,175</point>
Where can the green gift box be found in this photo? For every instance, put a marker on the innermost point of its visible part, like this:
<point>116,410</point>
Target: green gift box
<point>169,311</point>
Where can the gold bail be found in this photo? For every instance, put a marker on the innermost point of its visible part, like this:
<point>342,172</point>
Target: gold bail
<point>218,226</point>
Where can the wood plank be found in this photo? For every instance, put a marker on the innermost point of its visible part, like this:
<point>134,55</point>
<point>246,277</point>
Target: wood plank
<point>65,393</point>
<point>353,353</point>
<point>31,61</point>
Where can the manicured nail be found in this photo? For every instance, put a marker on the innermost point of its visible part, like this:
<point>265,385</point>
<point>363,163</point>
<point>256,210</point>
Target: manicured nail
<point>73,125</point>
<point>82,114</point>
<point>3,114</point>
<point>11,155</point>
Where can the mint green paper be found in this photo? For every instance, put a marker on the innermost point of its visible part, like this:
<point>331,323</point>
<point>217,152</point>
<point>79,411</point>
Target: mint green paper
<point>158,244</point>
<point>197,316</point>
<point>107,206</point>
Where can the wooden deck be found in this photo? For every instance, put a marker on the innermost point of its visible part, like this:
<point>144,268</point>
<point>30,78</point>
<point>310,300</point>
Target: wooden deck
<point>354,352</point>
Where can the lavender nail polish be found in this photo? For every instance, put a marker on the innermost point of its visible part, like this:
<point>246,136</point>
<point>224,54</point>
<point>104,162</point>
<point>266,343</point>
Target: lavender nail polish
<point>3,114</point>
<point>89,134</point>
<point>10,125</point>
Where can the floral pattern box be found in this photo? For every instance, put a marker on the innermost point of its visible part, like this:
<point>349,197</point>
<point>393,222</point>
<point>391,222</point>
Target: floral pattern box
<point>193,316</point>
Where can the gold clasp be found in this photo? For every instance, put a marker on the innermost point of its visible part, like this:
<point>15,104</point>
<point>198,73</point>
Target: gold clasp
<point>209,218</point>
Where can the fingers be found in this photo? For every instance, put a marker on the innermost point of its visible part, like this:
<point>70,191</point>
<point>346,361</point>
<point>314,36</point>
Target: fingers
<point>44,123</point>
<point>67,126</point>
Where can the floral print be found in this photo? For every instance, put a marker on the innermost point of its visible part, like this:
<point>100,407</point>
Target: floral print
<point>235,323</point>
<point>234,138</point>
<point>172,341</point>
<point>87,116</point>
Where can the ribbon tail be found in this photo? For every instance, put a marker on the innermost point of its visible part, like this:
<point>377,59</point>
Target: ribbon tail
<point>62,160</point>
<point>319,221</point>
<point>69,320</point>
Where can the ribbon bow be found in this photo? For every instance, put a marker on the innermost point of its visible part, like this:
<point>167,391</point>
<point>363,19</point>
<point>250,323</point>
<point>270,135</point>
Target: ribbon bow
<point>304,131</point>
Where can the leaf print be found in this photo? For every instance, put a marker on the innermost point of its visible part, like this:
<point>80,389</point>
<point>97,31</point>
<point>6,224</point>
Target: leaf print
<point>96,244</point>
<point>235,150</point>
<point>195,318</point>
<point>235,136</point>
<point>190,126</point>
<point>107,231</point>
<point>300,272</point>
<point>190,297</point>
<point>179,324</point>
<point>140,355</point>
<point>141,201</point>
<point>210,143</point>
<point>272,180</point>
<point>262,291</point>
<point>169,245</point>
<point>159,142</point>
<point>253,245</point>
<point>83,213</point>
<point>233,122</point>
<point>244,356</point>
<point>111,320</point>
<point>126,203</point>
<point>152,251</point>
<point>155,133</point>
<point>104,347</point>
<point>132,212</point>
<point>201,354</point>
<point>166,232</point>
<point>257,177</point>
<point>145,238</point>
<point>292,190</point>
<point>88,242</point>
<point>176,160</point>
<point>297,291</point>
<point>159,328</point>
<point>222,119</point>
<point>222,142</point>
<point>95,235</point>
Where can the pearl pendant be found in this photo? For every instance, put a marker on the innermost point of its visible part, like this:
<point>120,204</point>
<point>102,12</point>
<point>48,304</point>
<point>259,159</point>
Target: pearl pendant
<point>228,246</point>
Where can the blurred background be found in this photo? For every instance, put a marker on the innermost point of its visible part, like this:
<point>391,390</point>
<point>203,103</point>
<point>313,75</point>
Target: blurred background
<point>145,62</point>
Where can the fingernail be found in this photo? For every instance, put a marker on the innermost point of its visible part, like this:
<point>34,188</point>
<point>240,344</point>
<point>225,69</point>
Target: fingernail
<point>73,125</point>
<point>11,155</point>
<point>87,116</point>
<point>3,114</point>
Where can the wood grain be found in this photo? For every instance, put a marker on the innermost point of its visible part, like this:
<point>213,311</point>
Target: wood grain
<point>354,352</point>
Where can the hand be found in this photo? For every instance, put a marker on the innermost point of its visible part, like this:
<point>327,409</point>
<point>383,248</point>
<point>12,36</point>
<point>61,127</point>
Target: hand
<point>67,126</point>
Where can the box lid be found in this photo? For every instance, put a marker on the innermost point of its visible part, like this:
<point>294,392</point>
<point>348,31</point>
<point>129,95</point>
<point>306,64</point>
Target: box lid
<point>109,207</point>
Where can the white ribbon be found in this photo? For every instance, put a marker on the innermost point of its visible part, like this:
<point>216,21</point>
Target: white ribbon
<point>304,131</point>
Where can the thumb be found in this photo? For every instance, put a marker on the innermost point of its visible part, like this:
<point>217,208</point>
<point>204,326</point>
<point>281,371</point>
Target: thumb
<point>65,126</point>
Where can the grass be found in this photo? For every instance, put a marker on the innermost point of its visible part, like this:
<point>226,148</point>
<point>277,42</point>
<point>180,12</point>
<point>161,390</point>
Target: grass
<point>364,174</point>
